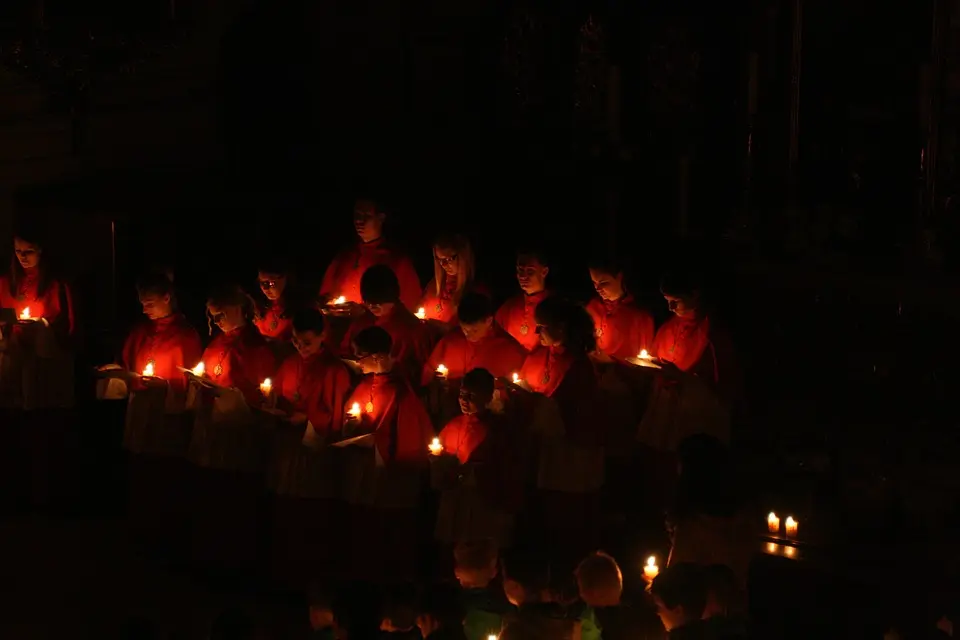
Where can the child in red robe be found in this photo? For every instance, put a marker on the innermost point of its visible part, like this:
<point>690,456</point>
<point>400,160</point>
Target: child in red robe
<point>454,271</point>
<point>622,328</point>
<point>478,344</point>
<point>238,356</point>
<point>561,370</point>
<point>383,516</point>
<point>274,316</point>
<point>342,277</point>
<point>312,386</point>
<point>157,426</point>
<point>515,315</point>
<point>411,339</point>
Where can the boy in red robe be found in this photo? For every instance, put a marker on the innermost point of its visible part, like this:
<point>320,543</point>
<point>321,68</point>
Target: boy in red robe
<point>411,339</point>
<point>313,384</point>
<point>622,328</point>
<point>478,344</point>
<point>382,535</point>
<point>274,319</point>
<point>342,277</point>
<point>515,315</point>
<point>166,340</point>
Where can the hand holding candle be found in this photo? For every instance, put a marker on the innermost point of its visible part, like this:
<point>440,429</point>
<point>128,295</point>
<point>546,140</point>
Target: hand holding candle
<point>266,387</point>
<point>25,314</point>
<point>773,523</point>
<point>199,370</point>
<point>651,570</point>
<point>421,313</point>
<point>644,355</point>
<point>791,527</point>
<point>338,301</point>
<point>516,378</point>
<point>354,411</point>
<point>442,371</point>
<point>435,447</point>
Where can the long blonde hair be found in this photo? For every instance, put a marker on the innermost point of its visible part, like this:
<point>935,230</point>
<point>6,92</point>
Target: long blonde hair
<point>466,266</point>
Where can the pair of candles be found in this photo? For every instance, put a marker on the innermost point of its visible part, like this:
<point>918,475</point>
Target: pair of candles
<point>355,411</point>
<point>790,526</point>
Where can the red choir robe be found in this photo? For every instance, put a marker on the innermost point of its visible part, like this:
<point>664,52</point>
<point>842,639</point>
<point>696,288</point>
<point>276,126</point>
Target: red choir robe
<point>572,383</point>
<point>622,328</point>
<point>515,316</point>
<point>273,324</point>
<point>342,277</point>
<point>441,307</point>
<point>168,343</point>
<point>412,339</point>
<point>316,387</point>
<point>241,359</point>
<point>392,411</point>
<point>497,352</point>
<point>55,305</point>
<point>462,436</point>
<point>695,346</point>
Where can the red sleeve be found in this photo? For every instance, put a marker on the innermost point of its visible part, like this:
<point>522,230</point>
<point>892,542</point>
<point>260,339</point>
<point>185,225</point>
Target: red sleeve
<point>325,411</point>
<point>514,355</point>
<point>250,369</point>
<point>594,315</point>
<point>409,283</point>
<point>192,348</point>
<point>59,310</point>
<point>432,362</point>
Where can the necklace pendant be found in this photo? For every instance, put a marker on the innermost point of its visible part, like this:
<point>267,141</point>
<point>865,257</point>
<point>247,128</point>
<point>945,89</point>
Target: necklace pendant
<point>369,407</point>
<point>218,370</point>
<point>439,307</point>
<point>546,377</point>
<point>524,329</point>
<point>274,324</point>
<point>599,332</point>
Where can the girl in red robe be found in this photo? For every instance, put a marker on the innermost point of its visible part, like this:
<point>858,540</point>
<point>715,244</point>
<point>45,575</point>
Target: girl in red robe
<point>274,315</point>
<point>454,270</point>
<point>561,369</point>
<point>225,522</point>
<point>342,277</point>
<point>383,523</point>
<point>157,426</point>
<point>411,339</point>
<point>238,356</point>
<point>312,386</point>
<point>515,315</point>
<point>622,328</point>
<point>36,372</point>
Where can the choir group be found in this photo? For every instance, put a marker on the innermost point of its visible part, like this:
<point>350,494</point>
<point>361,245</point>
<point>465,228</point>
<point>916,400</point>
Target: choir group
<point>377,409</point>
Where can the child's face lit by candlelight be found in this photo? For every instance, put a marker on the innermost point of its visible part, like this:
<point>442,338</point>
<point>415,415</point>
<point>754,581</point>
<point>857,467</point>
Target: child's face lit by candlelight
<point>609,286</point>
<point>227,318</point>
<point>367,221</point>
<point>448,260</point>
<point>682,306</point>
<point>531,275</point>
<point>28,254</point>
<point>548,336</point>
<point>307,343</point>
<point>477,331</point>
<point>272,284</point>
<point>155,306</point>
<point>470,401</point>
<point>380,309</point>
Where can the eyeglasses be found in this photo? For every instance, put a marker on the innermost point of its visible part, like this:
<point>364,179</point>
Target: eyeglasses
<point>268,284</point>
<point>447,261</point>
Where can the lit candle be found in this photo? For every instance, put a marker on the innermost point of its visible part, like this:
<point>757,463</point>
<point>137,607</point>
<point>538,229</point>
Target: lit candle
<point>435,447</point>
<point>773,523</point>
<point>368,407</point>
<point>338,301</point>
<point>199,370</point>
<point>266,386</point>
<point>148,371</point>
<point>355,411</point>
<point>644,355</point>
<point>421,313</point>
<point>492,637</point>
<point>516,378</point>
<point>442,370</point>
<point>25,314</point>
<point>791,527</point>
<point>651,570</point>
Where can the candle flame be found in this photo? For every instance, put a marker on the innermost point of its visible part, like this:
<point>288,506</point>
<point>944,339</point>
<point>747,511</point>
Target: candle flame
<point>340,300</point>
<point>355,410</point>
<point>516,378</point>
<point>421,313</point>
<point>652,561</point>
<point>25,314</point>
<point>644,355</point>
<point>436,442</point>
<point>773,517</point>
<point>441,369</point>
<point>148,370</point>
<point>266,386</point>
<point>491,637</point>
<point>435,447</point>
<point>791,522</point>
<point>199,370</point>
